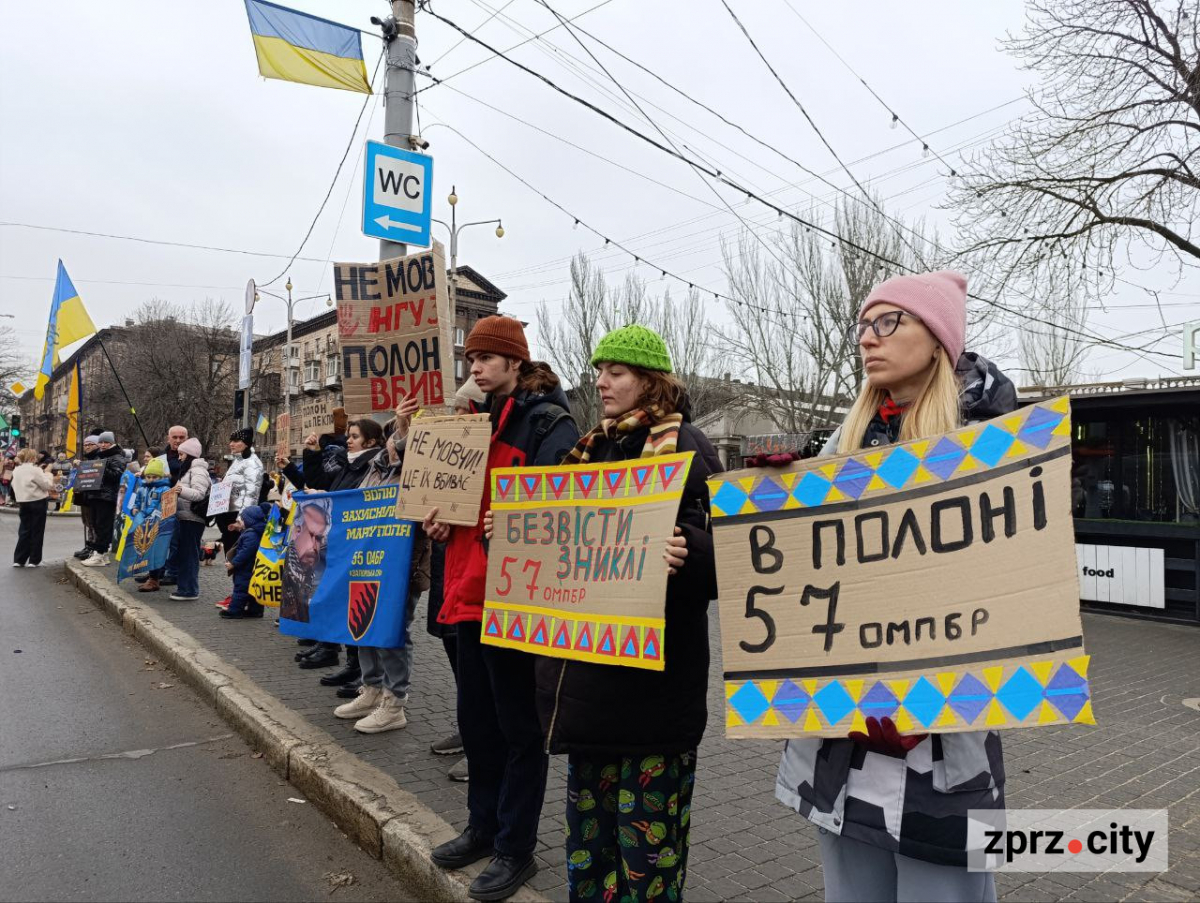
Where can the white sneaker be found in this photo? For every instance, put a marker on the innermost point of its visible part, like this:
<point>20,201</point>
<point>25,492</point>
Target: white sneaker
<point>18,565</point>
<point>96,560</point>
<point>360,706</point>
<point>388,716</point>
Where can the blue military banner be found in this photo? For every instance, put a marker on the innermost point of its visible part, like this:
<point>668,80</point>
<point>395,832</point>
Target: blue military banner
<point>146,540</point>
<point>345,570</point>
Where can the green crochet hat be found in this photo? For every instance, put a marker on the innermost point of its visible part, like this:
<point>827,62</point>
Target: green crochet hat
<point>634,345</point>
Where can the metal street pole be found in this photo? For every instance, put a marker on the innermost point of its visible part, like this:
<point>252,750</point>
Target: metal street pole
<point>454,229</point>
<point>400,33</point>
<point>287,365</point>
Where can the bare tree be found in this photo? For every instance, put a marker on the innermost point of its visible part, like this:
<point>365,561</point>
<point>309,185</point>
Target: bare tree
<point>1052,352</point>
<point>13,367</point>
<point>1104,165</point>
<point>792,314</point>
<point>179,365</point>
<point>569,333</point>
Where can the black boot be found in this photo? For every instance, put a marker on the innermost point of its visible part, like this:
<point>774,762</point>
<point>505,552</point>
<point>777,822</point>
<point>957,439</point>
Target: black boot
<point>502,878</point>
<point>308,643</point>
<point>323,655</point>
<point>347,675</point>
<point>469,846</point>
<point>350,690</point>
<point>83,553</point>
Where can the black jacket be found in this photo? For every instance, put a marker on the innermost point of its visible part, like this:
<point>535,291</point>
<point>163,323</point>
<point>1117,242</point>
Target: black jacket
<point>613,710</point>
<point>114,468</point>
<point>330,469</point>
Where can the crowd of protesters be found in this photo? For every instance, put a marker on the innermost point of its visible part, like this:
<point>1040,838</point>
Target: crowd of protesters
<point>630,736</point>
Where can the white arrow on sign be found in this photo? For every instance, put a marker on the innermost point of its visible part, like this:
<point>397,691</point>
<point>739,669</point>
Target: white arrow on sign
<point>388,223</point>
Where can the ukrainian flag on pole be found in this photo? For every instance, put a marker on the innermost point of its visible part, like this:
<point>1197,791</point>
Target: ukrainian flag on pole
<point>69,322</point>
<point>297,47</point>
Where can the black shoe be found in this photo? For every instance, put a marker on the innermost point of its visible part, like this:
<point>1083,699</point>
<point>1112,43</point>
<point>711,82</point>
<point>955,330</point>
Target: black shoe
<point>83,553</point>
<point>231,615</point>
<point>142,579</point>
<point>167,581</point>
<point>350,690</point>
<point>469,846</point>
<point>323,658</point>
<point>317,649</point>
<point>348,674</point>
<point>502,878</point>
<point>307,643</point>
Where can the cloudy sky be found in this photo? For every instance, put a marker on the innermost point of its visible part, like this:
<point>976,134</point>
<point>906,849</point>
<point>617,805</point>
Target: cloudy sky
<point>149,120</point>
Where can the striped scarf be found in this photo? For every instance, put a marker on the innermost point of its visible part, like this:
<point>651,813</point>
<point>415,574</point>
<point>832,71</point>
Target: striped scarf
<point>663,438</point>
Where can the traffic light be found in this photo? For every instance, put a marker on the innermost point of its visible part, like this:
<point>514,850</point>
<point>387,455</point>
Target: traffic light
<point>14,425</point>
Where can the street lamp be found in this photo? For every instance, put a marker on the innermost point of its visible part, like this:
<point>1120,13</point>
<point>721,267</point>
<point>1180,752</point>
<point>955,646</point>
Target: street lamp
<point>287,353</point>
<point>453,228</point>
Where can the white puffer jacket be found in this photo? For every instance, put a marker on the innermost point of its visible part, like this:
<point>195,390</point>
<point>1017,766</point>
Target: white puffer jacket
<point>246,475</point>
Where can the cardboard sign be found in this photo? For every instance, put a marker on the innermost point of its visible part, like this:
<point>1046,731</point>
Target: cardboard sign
<point>219,498</point>
<point>283,434</point>
<point>445,465</point>
<point>394,327</point>
<point>575,566</point>
<point>89,476</point>
<point>314,414</point>
<point>933,582</point>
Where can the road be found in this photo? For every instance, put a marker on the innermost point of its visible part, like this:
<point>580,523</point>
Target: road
<point>118,783</point>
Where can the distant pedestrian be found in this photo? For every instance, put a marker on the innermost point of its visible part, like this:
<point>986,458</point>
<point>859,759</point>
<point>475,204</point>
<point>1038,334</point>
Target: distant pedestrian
<point>33,488</point>
<point>104,499</point>
<point>84,500</point>
<point>245,475</point>
<point>6,475</point>
<point>248,527</point>
<point>191,512</point>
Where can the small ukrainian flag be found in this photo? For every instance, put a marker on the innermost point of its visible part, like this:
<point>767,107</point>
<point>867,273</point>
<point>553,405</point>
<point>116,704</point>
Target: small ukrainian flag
<point>296,47</point>
<point>263,423</point>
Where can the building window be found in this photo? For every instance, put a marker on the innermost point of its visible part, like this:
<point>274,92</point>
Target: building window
<point>459,336</point>
<point>312,371</point>
<point>333,366</point>
<point>458,369</point>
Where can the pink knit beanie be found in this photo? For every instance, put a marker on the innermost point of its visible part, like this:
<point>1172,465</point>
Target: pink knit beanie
<point>939,299</point>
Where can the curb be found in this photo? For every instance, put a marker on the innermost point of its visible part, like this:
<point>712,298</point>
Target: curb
<point>380,816</point>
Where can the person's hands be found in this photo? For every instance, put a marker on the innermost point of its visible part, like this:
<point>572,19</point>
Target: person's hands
<point>311,441</point>
<point>281,461</point>
<point>676,552</point>
<point>435,531</point>
<point>228,567</point>
<point>884,737</point>
<point>782,459</point>
<point>488,523</point>
<point>404,414</point>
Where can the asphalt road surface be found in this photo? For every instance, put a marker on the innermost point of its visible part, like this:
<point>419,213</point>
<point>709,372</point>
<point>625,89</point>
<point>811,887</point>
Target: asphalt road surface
<point>118,783</point>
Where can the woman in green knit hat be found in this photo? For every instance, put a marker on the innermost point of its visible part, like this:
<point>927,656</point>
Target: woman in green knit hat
<point>630,734</point>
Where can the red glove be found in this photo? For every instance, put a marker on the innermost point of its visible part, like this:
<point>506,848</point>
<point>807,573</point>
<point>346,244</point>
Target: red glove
<point>882,737</point>
<point>780,460</point>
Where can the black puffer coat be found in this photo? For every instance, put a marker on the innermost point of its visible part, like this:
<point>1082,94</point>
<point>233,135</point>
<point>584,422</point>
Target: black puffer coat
<point>613,710</point>
<point>115,463</point>
<point>331,469</point>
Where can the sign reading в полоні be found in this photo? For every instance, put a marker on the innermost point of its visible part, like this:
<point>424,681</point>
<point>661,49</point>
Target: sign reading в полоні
<point>394,322</point>
<point>575,565</point>
<point>445,465</point>
<point>933,582</point>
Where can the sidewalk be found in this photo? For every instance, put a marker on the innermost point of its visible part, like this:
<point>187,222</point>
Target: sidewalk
<point>15,511</point>
<point>1145,753</point>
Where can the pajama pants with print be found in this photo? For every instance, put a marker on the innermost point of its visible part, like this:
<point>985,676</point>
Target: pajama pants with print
<point>627,827</point>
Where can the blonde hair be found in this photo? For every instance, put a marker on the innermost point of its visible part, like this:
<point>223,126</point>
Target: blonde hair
<point>27,456</point>
<point>936,409</point>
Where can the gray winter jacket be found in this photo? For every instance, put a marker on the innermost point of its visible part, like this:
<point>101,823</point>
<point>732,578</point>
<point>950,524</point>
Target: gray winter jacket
<point>916,806</point>
<point>194,484</point>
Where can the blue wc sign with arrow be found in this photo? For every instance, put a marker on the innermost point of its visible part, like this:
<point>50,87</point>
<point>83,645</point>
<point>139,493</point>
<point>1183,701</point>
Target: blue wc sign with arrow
<point>397,195</point>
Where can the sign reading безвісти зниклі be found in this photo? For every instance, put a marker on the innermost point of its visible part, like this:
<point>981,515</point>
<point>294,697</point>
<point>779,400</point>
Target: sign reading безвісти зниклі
<point>394,322</point>
<point>933,582</point>
<point>575,565</point>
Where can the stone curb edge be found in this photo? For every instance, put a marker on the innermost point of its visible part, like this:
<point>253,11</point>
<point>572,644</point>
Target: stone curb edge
<point>380,816</point>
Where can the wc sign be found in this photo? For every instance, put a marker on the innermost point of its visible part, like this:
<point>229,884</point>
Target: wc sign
<point>397,194</point>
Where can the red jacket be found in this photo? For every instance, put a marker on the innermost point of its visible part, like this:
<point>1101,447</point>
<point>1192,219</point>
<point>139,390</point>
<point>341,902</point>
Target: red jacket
<point>534,428</point>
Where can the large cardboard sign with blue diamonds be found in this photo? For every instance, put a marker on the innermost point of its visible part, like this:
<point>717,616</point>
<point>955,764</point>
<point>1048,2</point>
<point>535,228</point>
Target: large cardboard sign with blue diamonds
<point>932,581</point>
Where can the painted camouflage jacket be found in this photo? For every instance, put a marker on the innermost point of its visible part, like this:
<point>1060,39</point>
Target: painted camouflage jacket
<point>916,806</point>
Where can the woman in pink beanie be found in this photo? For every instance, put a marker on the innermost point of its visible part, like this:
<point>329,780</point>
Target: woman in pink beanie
<point>892,809</point>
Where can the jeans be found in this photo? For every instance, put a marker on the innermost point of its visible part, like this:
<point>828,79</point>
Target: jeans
<point>185,557</point>
<point>855,870</point>
<point>498,720</point>
<point>391,668</point>
<point>31,532</point>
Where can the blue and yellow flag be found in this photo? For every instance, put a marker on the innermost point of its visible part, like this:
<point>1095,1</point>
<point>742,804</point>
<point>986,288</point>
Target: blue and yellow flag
<point>72,442</point>
<point>297,47</point>
<point>263,423</point>
<point>69,322</point>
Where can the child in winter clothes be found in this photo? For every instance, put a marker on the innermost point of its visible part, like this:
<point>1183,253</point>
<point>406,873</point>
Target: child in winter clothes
<point>250,524</point>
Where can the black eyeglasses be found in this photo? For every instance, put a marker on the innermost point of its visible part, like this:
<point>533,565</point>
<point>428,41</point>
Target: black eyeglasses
<point>883,325</point>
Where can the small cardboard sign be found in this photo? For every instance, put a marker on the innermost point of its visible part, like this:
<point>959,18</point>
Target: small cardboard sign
<point>933,582</point>
<point>314,414</point>
<point>89,476</point>
<point>283,432</point>
<point>220,496</point>
<point>394,328</point>
<point>575,565</point>
<point>445,466</point>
